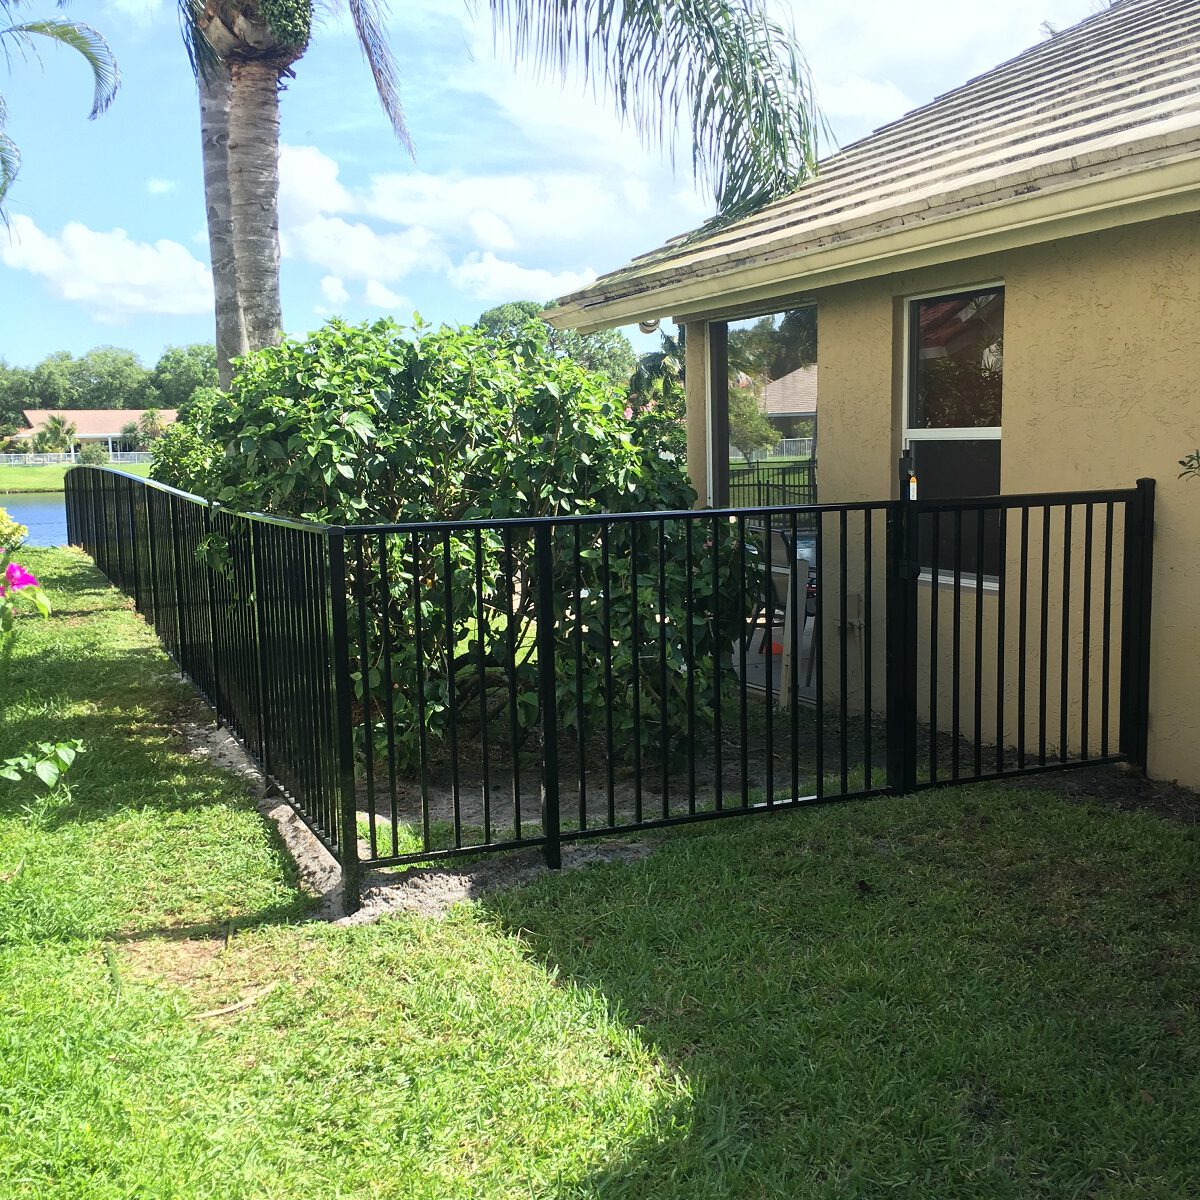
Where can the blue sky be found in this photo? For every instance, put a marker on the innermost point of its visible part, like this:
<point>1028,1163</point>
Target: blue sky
<point>521,188</point>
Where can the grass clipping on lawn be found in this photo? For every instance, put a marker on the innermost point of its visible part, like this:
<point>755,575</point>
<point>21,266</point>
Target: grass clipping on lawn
<point>975,993</point>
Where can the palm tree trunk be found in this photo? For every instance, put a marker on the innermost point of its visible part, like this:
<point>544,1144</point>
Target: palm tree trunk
<point>214,141</point>
<point>254,197</point>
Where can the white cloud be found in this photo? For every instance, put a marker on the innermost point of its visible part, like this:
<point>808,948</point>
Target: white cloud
<point>420,222</point>
<point>357,251</point>
<point>536,209</point>
<point>109,273</point>
<point>334,290</point>
<point>487,277</point>
<point>379,295</point>
<point>309,186</point>
<point>160,187</point>
<point>874,102</point>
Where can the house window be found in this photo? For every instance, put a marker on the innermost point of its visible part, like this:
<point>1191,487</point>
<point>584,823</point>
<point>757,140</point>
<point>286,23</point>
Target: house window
<point>953,403</point>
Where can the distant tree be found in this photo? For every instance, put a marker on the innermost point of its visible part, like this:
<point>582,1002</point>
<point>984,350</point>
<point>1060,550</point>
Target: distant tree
<point>749,429</point>
<point>94,455</point>
<point>14,396</point>
<point>105,377</point>
<point>657,400</point>
<point>131,435</point>
<point>181,370</point>
<point>110,377</point>
<point>765,352</point>
<point>608,351</point>
<point>51,384</point>
<point>19,40</point>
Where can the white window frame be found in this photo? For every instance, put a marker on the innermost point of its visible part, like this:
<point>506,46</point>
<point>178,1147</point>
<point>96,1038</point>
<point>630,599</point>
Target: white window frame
<point>978,433</point>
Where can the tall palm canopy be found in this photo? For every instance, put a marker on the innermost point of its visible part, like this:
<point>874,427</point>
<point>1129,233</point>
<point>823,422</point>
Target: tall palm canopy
<point>19,38</point>
<point>724,66</point>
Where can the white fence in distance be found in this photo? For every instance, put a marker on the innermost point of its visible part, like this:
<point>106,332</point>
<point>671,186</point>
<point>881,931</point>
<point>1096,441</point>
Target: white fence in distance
<point>787,448</point>
<point>117,458</point>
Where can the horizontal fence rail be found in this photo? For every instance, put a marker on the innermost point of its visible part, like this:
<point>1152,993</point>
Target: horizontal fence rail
<point>434,689</point>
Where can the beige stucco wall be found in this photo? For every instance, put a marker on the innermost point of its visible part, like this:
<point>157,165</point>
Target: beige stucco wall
<point>1101,386</point>
<point>696,384</point>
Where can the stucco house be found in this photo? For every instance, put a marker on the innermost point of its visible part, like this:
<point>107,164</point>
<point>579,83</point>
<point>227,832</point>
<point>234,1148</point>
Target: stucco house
<point>790,403</point>
<point>1007,283</point>
<point>93,426</point>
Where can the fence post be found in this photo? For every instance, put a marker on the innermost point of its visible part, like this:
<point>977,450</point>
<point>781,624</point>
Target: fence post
<point>1136,605</point>
<point>210,592</point>
<point>543,554</point>
<point>258,590</point>
<point>152,555</point>
<point>181,656</point>
<point>343,697</point>
<point>902,572</point>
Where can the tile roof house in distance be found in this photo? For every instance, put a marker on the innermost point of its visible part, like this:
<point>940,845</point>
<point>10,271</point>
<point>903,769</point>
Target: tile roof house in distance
<point>1007,282</point>
<point>93,426</point>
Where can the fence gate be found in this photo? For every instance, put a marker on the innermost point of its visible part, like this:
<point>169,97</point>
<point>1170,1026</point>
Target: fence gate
<point>433,689</point>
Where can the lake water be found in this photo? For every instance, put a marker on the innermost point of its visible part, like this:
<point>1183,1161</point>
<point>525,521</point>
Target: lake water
<point>44,512</point>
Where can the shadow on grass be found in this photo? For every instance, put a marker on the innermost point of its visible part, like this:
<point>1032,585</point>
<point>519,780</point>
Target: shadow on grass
<point>955,995</point>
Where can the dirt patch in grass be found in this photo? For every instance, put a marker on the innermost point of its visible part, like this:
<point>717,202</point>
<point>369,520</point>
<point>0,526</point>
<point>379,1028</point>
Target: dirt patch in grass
<point>1120,786</point>
<point>432,891</point>
<point>180,962</point>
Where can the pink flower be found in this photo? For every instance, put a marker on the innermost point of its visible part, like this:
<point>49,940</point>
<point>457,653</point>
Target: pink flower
<point>628,413</point>
<point>17,577</point>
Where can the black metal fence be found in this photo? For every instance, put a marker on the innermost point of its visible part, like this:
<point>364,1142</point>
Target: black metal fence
<point>766,485</point>
<point>428,690</point>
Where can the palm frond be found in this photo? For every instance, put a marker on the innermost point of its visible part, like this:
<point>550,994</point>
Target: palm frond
<point>83,39</point>
<point>369,17</point>
<point>734,73</point>
<point>204,59</point>
<point>10,164</point>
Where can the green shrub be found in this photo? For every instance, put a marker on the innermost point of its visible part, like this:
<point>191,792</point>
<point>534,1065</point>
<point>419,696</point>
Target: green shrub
<point>12,534</point>
<point>183,456</point>
<point>362,424</point>
<point>94,455</point>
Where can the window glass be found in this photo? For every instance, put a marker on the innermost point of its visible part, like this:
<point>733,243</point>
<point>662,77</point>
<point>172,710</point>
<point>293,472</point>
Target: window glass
<point>956,361</point>
<point>772,369</point>
<point>955,386</point>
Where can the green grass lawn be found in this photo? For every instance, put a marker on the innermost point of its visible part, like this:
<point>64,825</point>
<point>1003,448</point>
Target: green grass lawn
<point>50,479</point>
<point>972,993</point>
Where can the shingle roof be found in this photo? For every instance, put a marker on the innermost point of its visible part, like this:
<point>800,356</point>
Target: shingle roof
<point>1118,92</point>
<point>793,395</point>
<point>90,422</point>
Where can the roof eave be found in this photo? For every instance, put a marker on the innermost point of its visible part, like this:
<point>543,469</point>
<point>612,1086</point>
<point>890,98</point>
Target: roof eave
<point>1006,221</point>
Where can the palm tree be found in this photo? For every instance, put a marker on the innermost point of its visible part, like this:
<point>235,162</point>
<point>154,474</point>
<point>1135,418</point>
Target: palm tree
<point>57,436</point>
<point>21,37</point>
<point>725,65</point>
<point>150,426</point>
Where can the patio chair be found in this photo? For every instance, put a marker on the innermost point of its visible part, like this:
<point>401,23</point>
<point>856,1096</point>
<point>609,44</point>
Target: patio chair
<point>772,599</point>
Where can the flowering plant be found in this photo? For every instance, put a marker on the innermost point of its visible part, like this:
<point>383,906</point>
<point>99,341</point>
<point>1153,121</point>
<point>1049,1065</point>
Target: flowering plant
<point>49,760</point>
<point>17,586</point>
